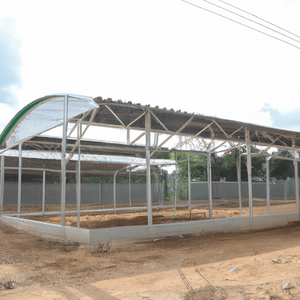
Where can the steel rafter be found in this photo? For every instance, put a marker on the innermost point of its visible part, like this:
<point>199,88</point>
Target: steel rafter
<point>115,115</point>
<point>95,110</point>
<point>168,138</point>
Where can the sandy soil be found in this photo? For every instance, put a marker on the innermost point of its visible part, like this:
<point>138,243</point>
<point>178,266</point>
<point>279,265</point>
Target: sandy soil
<point>225,208</point>
<point>240,265</point>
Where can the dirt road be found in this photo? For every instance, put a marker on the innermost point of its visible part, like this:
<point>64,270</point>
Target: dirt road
<point>241,265</point>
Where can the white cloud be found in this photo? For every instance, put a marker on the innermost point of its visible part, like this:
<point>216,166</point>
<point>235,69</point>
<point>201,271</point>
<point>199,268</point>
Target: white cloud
<point>10,62</point>
<point>286,120</point>
<point>164,53</point>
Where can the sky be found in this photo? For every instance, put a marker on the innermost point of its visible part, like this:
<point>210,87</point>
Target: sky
<point>158,52</point>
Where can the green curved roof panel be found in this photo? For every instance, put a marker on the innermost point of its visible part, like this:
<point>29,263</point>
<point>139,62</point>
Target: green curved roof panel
<point>42,115</point>
<point>21,114</point>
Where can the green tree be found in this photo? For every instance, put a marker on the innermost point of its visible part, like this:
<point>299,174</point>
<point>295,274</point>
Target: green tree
<point>280,168</point>
<point>198,166</point>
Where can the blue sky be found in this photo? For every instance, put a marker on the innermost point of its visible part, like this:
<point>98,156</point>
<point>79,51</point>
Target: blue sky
<point>157,52</point>
<point>10,68</point>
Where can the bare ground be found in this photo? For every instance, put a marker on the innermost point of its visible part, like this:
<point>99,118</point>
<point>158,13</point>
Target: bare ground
<point>188,267</point>
<point>225,208</point>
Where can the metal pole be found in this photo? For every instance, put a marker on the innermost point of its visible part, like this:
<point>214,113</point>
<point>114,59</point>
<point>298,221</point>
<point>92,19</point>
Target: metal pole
<point>175,192</point>
<point>189,187</point>
<point>268,183</point>
<point>19,179</point>
<point>129,186</point>
<point>296,156</point>
<point>284,191</point>
<point>63,163</point>
<point>78,176</point>
<point>148,169</point>
<point>2,184</point>
<point>44,192</point>
<point>249,170</point>
<point>128,136</point>
<point>209,184</point>
<point>239,178</point>
<point>100,192</point>
<point>115,190</point>
<point>162,191</point>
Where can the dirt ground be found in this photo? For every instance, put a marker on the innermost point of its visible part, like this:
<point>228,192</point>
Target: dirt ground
<point>225,208</point>
<point>238,265</point>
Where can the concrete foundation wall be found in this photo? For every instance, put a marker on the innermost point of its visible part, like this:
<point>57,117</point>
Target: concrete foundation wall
<point>155,231</point>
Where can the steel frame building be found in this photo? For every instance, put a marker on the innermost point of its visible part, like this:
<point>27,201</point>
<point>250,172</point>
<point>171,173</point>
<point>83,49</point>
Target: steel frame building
<point>193,134</point>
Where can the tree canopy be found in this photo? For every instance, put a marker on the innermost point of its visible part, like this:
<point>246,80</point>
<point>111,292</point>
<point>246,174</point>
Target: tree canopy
<point>224,167</point>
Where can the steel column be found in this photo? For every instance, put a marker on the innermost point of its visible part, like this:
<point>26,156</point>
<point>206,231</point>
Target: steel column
<point>128,136</point>
<point>115,190</point>
<point>148,169</point>
<point>209,184</point>
<point>249,170</point>
<point>63,163</point>
<point>19,180</point>
<point>268,183</point>
<point>44,192</point>
<point>239,178</point>
<point>175,189</point>
<point>78,176</point>
<point>296,156</point>
<point>189,187</point>
<point>100,192</point>
<point>129,186</point>
<point>2,184</point>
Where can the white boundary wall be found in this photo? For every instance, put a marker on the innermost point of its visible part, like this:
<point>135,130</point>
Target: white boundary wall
<point>154,231</point>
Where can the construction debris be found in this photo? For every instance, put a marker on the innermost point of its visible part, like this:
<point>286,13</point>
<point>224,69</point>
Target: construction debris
<point>10,284</point>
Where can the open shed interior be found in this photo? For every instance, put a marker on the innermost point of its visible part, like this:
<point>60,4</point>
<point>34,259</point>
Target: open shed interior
<point>123,164</point>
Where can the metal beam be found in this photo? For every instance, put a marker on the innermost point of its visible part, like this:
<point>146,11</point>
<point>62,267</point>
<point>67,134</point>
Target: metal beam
<point>221,128</point>
<point>181,143</point>
<point>239,178</point>
<point>296,156</point>
<point>115,191</point>
<point>115,115</point>
<point>79,121</point>
<point>136,119</point>
<point>148,169</point>
<point>44,192</point>
<point>159,121</point>
<point>268,183</point>
<point>19,179</point>
<point>63,163</point>
<point>249,170</point>
<point>209,183</point>
<point>140,136</point>
<point>175,186</point>
<point>78,176</point>
<point>205,145</point>
<point>128,136</point>
<point>168,138</point>
<point>264,151</point>
<point>129,186</point>
<point>2,184</point>
<point>189,187</point>
<point>95,110</point>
